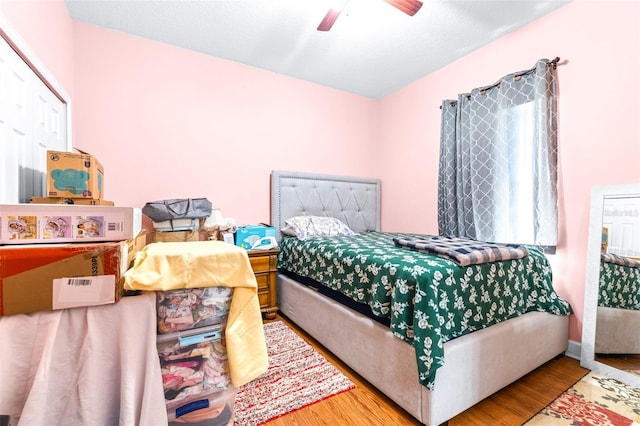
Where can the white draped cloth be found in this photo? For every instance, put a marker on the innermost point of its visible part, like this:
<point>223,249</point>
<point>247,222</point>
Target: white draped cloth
<point>83,366</point>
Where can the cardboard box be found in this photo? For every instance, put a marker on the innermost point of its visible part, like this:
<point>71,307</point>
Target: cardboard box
<point>74,175</point>
<point>247,236</point>
<point>71,201</point>
<point>63,223</point>
<point>177,225</point>
<point>134,245</point>
<point>176,236</point>
<point>43,277</point>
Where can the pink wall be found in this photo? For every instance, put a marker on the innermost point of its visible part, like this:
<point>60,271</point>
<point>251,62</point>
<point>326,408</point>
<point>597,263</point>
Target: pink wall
<point>599,123</point>
<point>167,122</point>
<point>47,30</point>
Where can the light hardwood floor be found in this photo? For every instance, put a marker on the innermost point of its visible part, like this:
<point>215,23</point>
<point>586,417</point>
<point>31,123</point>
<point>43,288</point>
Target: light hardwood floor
<point>364,405</point>
<point>629,362</point>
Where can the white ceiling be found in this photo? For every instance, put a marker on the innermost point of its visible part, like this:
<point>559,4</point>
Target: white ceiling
<point>372,50</point>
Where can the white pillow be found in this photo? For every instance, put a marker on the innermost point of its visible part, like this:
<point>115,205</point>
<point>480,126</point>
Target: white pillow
<point>304,227</point>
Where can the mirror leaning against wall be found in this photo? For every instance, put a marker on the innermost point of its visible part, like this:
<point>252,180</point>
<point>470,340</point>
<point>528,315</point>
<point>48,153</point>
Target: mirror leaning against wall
<point>611,328</point>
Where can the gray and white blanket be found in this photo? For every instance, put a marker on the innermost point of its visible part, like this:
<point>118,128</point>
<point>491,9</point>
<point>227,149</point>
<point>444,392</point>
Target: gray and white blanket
<point>620,260</point>
<point>463,251</point>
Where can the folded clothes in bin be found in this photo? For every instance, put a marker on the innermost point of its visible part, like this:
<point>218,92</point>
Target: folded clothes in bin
<point>189,308</point>
<point>200,264</point>
<point>192,363</point>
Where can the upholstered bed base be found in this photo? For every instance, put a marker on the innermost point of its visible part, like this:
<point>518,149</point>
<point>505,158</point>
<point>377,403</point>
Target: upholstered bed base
<point>611,337</point>
<point>476,365</point>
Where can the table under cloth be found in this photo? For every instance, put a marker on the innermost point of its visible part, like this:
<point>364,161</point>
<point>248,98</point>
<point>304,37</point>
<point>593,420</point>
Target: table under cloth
<point>83,366</point>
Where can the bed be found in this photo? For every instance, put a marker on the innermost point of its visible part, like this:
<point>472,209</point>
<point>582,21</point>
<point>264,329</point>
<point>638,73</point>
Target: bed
<point>618,318</point>
<point>474,366</point>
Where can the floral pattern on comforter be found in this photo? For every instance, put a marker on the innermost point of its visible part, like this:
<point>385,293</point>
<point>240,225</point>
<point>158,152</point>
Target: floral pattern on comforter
<point>429,300</point>
<point>619,286</point>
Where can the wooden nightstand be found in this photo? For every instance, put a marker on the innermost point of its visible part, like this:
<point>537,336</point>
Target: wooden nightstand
<point>264,264</point>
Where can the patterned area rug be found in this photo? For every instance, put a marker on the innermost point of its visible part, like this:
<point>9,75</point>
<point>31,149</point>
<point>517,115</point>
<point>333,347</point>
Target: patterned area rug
<point>594,400</point>
<point>298,376</point>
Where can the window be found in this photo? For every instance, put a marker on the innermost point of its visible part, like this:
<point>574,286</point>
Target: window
<point>498,161</point>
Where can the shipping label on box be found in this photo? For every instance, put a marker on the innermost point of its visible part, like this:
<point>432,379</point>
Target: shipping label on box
<point>83,291</point>
<point>74,175</point>
<point>44,277</point>
<point>248,236</point>
<point>60,223</point>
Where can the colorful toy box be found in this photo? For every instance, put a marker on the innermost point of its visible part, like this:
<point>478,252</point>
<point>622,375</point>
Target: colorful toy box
<point>63,223</point>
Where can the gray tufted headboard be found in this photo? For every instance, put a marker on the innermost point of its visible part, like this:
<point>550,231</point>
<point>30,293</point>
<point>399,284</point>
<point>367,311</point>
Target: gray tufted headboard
<point>355,201</point>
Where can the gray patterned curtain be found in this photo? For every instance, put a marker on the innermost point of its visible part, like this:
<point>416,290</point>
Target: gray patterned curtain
<point>498,161</point>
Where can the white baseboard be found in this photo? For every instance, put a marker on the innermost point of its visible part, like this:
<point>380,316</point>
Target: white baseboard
<point>574,350</point>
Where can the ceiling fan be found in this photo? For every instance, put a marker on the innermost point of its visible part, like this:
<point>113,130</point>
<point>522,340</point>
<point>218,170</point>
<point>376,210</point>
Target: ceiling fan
<point>410,7</point>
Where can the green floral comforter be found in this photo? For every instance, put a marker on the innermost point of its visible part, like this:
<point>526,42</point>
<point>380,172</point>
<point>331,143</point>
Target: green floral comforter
<point>428,300</point>
<point>619,286</point>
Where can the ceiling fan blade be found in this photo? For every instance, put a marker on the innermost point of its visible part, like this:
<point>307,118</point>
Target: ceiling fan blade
<point>410,7</point>
<point>329,19</point>
<point>332,15</point>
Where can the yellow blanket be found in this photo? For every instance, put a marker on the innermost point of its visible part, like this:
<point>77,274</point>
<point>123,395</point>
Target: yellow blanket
<point>174,265</point>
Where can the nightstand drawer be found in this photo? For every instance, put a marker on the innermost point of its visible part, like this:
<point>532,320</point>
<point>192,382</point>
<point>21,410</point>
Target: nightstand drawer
<point>265,298</point>
<point>264,264</point>
<point>263,281</point>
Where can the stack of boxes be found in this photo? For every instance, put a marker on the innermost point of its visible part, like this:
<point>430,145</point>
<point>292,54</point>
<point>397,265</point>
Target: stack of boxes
<point>191,322</point>
<point>72,249</point>
<point>213,227</point>
<point>57,256</point>
<point>179,219</point>
<point>193,356</point>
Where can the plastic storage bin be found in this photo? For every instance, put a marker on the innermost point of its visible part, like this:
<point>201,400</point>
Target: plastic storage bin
<point>189,308</point>
<point>193,363</point>
<point>216,409</point>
